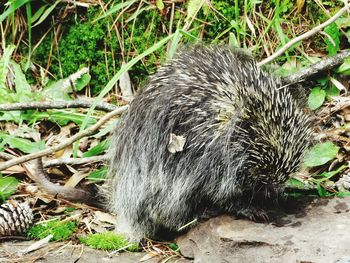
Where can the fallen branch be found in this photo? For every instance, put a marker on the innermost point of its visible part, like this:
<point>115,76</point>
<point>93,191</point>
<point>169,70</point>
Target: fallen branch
<point>75,161</point>
<point>339,103</point>
<point>6,156</point>
<point>304,36</point>
<point>323,65</point>
<point>66,161</point>
<point>44,105</point>
<point>64,144</point>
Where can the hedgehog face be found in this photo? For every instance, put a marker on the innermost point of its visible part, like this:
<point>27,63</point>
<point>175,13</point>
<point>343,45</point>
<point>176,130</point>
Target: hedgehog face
<point>274,159</point>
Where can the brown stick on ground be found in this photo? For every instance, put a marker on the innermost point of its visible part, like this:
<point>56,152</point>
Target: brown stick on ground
<point>323,65</point>
<point>44,105</point>
<point>305,36</point>
<point>75,161</point>
<point>65,143</point>
<point>66,161</point>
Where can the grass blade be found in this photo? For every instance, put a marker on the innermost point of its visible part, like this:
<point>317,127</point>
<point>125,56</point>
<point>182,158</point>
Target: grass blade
<point>4,62</point>
<point>116,8</point>
<point>46,13</point>
<point>13,7</point>
<point>116,77</point>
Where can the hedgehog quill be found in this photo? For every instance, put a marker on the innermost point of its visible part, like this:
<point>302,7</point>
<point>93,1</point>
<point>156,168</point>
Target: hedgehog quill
<point>209,131</point>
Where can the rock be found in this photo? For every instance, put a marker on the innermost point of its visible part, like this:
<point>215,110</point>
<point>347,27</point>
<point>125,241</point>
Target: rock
<point>59,252</point>
<point>306,231</point>
<point>317,232</point>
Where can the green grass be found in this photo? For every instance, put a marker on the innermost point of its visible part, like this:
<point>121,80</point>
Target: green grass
<point>109,241</point>
<point>61,230</point>
<point>90,38</point>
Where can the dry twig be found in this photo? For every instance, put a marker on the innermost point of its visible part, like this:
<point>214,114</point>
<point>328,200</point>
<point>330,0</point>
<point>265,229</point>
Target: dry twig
<point>67,161</point>
<point>65,143</point>
<point>323,65</point>
<point>304,36</point>
<point>44,105</point>
<point>75,161</point>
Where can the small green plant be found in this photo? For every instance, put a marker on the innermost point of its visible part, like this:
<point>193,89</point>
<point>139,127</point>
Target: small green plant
<point>320,154</point>
<point>345,67</point>
<point>8,185</point>
<point>61,230</point>
<point>109,241</point>
<point>98,149</point>
<point>333,38</point>
<point>22,144</point>
<point>173,246</point>
<point>98,175</point>
<point>316,98</point>
<point>323,182</point>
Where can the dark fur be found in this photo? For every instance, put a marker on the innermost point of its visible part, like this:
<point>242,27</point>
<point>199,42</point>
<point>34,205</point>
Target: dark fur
<point>245,136</point>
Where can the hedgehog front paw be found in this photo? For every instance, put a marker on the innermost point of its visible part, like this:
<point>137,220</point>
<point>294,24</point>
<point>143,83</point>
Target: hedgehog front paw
<point>255,214</point>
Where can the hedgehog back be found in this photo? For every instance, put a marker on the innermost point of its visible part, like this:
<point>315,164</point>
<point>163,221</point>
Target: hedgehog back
<point>243,133</point>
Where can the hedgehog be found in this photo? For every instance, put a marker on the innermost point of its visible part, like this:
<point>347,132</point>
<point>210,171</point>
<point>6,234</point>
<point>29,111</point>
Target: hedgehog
<point>210,131</point>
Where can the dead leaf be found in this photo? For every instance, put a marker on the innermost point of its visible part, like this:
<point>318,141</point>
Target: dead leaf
<point>16,169</point>
<point>300,4</point>
<point>64,134</point>
<point>39,244</point>
<point>347,117</point>
<point>250,25</point>
<point>84,144</point>
<point>58,210</point>
<point>75,179</point>
<point>31,189</point>
<point>176,143</point>
<point>125,86</point>
<point>148,256</point>
<point>336,83</point>
<point>105,217</point>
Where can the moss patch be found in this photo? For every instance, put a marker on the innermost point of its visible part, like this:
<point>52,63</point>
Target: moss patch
<point>60,230</point>
<point>108,241</point>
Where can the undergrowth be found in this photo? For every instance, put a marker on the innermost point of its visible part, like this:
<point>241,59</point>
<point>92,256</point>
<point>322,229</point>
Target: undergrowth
<point>60,230</point>
<point>109,241</point>
<point>82,39</point>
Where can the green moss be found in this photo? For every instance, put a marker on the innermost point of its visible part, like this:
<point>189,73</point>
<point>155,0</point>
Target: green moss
<point>95,44</point>
<point>86,42</point>
<point>60,230</point>
<point>109,241</point>
<point>218,24</point>
<point>146,32</point>
<point>83,43</point>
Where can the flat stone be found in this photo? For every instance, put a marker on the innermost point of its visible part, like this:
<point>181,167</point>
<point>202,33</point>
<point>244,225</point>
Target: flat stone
<point>318,232</point>
<point>60,252</point>
<point>311,231</point>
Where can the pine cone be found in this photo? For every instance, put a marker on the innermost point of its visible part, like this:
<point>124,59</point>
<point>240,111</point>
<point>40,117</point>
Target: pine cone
<point>15,218</point>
